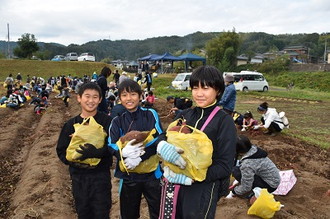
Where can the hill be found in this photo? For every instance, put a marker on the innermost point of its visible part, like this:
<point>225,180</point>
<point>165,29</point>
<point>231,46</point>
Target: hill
<point>251,44</point>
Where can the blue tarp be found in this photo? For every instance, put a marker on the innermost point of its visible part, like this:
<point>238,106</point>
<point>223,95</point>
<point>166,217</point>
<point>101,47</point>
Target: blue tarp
<point>166,57</point>
<point>148,57</point>
<point>192,57</point>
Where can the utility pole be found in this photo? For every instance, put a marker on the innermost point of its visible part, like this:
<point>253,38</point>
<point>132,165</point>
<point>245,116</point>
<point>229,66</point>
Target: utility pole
<point>325,51</point>
<point>8,52</point>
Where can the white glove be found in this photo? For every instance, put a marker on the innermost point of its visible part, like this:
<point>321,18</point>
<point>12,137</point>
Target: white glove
<point>133,150</point>
<point>171,154</point>
<point>243,129</point>
<point>244,126</point>
<point>230,195</point>
<point>256,127</point>
<point>176,177</point>
<point>131,163</point>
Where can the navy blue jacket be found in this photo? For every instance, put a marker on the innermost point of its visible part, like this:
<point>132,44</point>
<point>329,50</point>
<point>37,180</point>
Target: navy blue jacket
<point>142,119</point>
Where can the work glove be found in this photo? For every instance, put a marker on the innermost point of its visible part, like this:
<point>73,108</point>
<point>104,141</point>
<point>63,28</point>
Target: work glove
<point>243,129</point>
<point>171,154</point>
<point>133,150</point>
<point>234,184</point>
<point>90,151</point>
<point>131,163</point>
<point>256,127</point>
<point>176,177</point>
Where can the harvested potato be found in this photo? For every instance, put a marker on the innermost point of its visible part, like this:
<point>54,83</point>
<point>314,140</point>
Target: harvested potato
<point>181,129</point>
<point>137,135</point>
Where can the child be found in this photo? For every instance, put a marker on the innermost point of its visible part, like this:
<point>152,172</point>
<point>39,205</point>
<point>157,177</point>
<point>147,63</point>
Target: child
<point>134,185</point>
<point>91,186</point>
<point>199,200</point>
<point>255,169</point>
<point>248,122</point>
<point>150,100</point>
<point>66,95</point>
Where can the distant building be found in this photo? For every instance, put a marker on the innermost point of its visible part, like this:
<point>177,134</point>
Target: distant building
<point>257,59</point>
<point>297,53</point>
<point>242,60</point>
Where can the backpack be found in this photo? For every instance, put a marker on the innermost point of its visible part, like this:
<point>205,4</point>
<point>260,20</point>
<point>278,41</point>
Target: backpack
<point>284,119</point>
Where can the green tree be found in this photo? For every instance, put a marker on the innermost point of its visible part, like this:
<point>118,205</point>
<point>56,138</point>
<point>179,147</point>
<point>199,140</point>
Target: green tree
<point>27,45</point>
<point>222,50</point>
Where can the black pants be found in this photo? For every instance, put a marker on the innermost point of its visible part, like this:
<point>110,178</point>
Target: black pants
<point>258,181</point>
<point>130,198</point>
<point>274,127</point>
<point>198,201</point>
<point>148,86</point>
<point>92,195</point>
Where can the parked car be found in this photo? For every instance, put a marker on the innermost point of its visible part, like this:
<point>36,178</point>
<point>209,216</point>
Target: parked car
<point>87,56</point>
<point>249,80</point>
<point>58,58</point>
<point>71,56</point>
<point>181,81</point>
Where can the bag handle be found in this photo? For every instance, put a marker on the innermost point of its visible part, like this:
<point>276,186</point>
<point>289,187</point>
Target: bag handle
<point>214,111</point>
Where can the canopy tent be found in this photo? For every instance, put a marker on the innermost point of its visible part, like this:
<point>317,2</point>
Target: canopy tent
<point>148,57</point>
<point>189,57</point>
<point>166,57</point>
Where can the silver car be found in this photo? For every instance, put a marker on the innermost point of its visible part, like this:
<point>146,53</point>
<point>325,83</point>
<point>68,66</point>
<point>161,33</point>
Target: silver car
<point>71,56</point>
<point>87,56</point>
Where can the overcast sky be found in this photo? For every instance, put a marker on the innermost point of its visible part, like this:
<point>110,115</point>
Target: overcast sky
<point>81,21</point>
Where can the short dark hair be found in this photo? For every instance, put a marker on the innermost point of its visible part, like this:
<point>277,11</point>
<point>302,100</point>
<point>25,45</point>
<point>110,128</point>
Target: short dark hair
<point>208,76</point>
<point>169,98</point>
<point>130,86</point>
<point>248,114</point>
<point>243,144</point>
<point>89,86</point>
<point>106,71</point>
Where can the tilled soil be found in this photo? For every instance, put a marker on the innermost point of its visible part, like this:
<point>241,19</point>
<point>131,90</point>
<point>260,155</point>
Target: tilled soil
<point>35,184</point>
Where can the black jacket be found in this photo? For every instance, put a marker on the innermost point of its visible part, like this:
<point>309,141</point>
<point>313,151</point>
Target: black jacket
<point>64,141</point>
<point>222,132</point>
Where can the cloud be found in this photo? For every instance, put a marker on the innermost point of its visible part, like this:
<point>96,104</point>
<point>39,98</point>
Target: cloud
<point>81,21</point>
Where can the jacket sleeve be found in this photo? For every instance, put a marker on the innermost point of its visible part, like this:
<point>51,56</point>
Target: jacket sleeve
<point>246,183</point>
<point>114,135</point>
<point>64,141</point>
<point>151,147</point>
<point>224,150</point>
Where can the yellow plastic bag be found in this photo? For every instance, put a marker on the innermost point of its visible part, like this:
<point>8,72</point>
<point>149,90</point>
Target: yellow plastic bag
<point>197,148</point>
<point>146,166</point>
<point>89,131</point>
<point>265,206</point>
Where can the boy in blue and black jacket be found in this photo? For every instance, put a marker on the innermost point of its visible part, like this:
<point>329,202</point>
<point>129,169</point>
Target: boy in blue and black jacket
<point>134,184</point>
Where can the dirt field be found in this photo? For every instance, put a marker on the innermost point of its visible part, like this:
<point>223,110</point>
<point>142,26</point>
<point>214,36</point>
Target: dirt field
<point>35,184</point>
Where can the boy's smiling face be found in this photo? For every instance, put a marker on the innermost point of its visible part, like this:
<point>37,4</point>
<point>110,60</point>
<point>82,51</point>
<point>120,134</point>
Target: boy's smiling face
<point>89,101</point>
<point>130,100</point>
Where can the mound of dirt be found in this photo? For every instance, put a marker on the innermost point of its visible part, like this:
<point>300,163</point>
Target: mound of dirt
<point>35,184</point>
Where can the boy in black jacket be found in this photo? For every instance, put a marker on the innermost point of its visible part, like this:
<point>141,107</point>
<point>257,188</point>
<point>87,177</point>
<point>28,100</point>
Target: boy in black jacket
<point>91,185</point>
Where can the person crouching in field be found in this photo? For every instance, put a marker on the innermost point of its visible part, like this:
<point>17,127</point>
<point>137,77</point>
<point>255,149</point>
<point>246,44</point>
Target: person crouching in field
<point>255,169</point>
<point>91,184</point>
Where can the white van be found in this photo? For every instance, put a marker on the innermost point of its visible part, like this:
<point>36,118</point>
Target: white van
<point>249,81</point>
<point>181,81</point>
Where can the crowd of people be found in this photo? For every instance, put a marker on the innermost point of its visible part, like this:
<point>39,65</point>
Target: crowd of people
<point>111,111</point>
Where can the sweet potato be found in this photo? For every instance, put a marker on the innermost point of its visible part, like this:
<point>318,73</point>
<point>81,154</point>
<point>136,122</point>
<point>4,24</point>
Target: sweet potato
<point>181,129</point>
<point>137,135</point>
